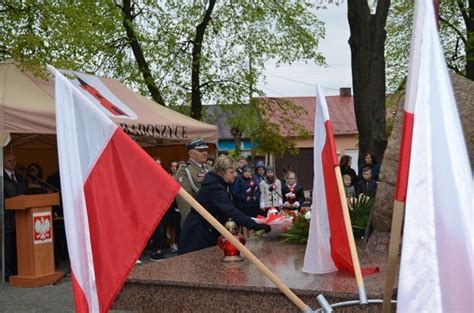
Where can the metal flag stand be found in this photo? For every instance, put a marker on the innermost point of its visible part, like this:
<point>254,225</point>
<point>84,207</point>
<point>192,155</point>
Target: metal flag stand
<point>328,308</point>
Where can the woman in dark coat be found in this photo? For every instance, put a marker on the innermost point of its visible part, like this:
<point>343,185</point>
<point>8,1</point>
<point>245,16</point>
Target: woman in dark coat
<point>197,233</point>
<point>346,169</point>
<point>370,161</point>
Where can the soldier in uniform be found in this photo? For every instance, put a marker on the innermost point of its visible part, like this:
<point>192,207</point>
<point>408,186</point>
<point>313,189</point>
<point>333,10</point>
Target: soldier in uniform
<point>191,174</point>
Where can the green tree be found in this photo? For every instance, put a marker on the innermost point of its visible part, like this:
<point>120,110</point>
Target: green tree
<point>269,123</point>
<point>169,39</point>
<point>456,33</point>
<point>221,35</point>
<point>61,33</point>
<point>178,52</point>
<point>128,16</point>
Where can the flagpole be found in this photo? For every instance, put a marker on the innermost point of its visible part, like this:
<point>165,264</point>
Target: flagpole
<point>350,237</point>
<point>397,219</point>
<point>246,252</point>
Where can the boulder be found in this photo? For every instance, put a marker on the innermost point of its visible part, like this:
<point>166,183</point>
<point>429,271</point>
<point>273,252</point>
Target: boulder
<point>382,218</point>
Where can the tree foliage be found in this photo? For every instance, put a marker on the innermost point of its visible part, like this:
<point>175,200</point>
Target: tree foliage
<point>91,36</point>
<point>59,32</point>
<point>181,53</point>
<point>270,122</point>
<point>456,40</point>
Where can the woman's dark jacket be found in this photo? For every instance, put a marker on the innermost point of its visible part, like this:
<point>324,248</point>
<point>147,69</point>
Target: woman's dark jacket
<point>197,233</point>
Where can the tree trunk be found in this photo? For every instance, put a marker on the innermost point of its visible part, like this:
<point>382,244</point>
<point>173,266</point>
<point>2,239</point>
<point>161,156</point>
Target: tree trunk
<point>367,42</point>
<point>196,104</point>
<point>138,53</point>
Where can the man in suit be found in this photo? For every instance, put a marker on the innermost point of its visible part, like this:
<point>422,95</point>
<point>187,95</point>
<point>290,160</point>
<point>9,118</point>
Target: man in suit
<point>191,175</point>
<point>13,185</point>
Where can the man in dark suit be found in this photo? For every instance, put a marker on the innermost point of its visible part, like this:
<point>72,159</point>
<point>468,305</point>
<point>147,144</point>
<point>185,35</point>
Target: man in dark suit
<point>13,185</point>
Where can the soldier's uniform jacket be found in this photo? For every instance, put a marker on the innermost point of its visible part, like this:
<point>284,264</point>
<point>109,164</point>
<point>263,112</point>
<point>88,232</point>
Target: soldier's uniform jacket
<point>190,177</point>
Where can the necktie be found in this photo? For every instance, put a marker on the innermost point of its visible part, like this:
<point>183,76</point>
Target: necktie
<point>13,178</point>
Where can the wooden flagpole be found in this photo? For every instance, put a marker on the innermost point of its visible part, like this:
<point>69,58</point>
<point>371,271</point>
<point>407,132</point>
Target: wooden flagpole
<point>250,256</point>
<point>350,237</point>
<point>398,210</point>
<point>395,234</point>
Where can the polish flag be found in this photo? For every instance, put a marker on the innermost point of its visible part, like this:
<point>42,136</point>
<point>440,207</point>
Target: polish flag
<point>437,266</point>
<point>113,195</point>
<point>328,247</point>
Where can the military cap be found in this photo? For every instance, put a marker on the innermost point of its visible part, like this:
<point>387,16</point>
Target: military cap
<point>197,143</point>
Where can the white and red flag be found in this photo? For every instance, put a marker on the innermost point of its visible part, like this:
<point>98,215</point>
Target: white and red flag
<point>113,195</point>
<point>328,246</point>
<point>436,273</point>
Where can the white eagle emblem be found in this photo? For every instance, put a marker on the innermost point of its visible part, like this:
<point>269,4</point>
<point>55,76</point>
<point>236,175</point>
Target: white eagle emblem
<point>42,228</point>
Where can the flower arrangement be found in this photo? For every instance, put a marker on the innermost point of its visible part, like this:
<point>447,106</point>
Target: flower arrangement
<point>280,221</point>
<point>359,210</point>
<point>299,230</point>
<point>293,226</point>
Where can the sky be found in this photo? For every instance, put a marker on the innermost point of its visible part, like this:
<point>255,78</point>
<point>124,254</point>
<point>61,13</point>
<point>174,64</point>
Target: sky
<point>300,79</point>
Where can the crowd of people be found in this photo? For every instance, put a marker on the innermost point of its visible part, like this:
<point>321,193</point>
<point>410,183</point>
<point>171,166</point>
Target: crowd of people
<point>366,182</point>
<point>226,188</point>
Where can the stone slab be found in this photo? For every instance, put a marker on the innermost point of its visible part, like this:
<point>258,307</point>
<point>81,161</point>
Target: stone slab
<point>200,282</point>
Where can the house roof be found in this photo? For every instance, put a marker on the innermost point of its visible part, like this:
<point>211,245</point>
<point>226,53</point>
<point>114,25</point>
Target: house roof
<point>341,112</point>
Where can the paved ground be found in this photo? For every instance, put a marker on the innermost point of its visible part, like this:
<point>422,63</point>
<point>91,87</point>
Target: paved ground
<point>52,298</point>
<point>57,298</point>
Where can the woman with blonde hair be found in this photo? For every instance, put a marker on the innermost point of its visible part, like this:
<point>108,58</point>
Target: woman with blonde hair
<point>214,196</point>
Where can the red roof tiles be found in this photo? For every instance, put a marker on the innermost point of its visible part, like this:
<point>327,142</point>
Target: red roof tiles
<point>341,112</point>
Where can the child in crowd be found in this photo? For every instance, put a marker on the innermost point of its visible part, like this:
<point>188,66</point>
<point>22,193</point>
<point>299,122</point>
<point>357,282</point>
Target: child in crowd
<point>348,188</point>
<point>367,185</point>
<point>260,172</point>
<point>292,192</point>
<point>246,193</point>
<point>270,189</point>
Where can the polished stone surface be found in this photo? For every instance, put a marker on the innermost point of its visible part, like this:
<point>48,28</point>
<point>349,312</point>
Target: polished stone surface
<point>199,281</point>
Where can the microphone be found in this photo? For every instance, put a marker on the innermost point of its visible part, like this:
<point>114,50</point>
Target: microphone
<point>34,178</point>
<point>42,182</point>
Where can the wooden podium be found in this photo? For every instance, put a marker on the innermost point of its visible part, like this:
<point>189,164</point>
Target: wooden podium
<point>34,239</point>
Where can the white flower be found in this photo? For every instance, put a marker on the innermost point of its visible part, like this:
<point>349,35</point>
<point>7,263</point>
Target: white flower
<point>307,215</point>
<point>272,211</point>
